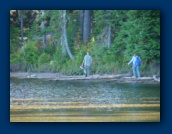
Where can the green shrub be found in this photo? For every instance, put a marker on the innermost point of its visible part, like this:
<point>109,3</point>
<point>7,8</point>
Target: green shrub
<point>15,58</point>
<point>30,52</point>
<point>44,58</point>
<point>44,68</point>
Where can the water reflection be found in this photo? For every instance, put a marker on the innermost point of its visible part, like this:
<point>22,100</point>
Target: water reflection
<point>82,100</point>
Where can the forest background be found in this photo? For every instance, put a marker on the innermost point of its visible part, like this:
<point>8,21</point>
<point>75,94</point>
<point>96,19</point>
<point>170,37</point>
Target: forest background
<point>57,40</point>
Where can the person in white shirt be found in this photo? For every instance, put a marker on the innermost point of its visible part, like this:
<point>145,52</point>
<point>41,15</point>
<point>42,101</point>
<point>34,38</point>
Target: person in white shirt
<point>87,64</point>
<point>135,66</point>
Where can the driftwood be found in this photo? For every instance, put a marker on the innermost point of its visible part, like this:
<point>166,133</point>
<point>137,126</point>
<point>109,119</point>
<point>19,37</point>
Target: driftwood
<point>105,77</point>
<point>79,77</point>
<point>155,78</point>
<point>145,78</point>
<point>141,78</point>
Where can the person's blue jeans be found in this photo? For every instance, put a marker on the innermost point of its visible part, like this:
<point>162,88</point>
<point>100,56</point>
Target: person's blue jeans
<point>136,69</point>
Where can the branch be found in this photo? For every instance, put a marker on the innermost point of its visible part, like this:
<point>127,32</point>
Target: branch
<point>155,78</point>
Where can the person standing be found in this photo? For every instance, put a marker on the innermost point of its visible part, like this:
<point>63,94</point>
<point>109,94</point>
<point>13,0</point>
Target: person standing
<point>136,65</point>
<point>87,62</point>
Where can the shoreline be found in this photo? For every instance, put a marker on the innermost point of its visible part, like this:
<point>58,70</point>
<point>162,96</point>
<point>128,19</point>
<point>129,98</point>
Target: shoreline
<point>119,78</point>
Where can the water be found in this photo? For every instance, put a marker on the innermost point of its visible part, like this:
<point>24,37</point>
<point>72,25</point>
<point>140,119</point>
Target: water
<point>35,100</point>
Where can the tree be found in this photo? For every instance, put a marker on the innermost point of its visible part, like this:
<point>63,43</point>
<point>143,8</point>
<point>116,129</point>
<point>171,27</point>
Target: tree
<point>21,17</point>
<point>86,25</point>
<point>115,35</point>
<point>81,21</point>
<point>43,29</point>
<point>64,34</point>
<point>142,34</point>
<point>103,23</point>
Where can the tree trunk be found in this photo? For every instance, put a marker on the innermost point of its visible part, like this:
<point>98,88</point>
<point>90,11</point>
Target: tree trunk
<point>52,33</point>
<point>32,18</point>
<point>43,28</point>
<point>21,15</point>
<point>105,37</point>
<point>86,25</point>
<point>109,36</point>
<point>81,20</point>
<point>22,24</point>
<point>65,35</point>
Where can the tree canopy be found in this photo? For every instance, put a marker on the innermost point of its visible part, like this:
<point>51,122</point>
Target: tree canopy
<point>57,40</point>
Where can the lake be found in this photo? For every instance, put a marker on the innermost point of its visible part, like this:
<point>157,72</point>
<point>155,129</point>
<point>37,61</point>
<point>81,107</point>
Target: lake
<point>37,100</point>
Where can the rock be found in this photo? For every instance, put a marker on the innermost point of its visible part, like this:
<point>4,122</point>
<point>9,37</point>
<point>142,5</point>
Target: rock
<point>32,75</point>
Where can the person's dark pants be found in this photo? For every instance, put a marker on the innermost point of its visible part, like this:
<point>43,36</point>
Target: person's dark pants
<point>87,70</point>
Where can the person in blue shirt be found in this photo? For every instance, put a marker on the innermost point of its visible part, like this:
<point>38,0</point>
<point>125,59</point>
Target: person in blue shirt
<point>87,62</point>
<point>136,65</point>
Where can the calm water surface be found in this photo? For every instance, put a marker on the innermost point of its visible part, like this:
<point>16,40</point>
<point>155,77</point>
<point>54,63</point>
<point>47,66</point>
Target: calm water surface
<point>35,100</point>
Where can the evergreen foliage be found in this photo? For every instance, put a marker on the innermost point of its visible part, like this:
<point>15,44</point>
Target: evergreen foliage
<point>115,36</point>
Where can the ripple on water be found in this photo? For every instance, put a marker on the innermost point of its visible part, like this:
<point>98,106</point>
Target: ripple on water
<point>79,97</point>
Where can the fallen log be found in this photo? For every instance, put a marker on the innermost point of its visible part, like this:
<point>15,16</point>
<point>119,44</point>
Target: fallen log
<point>141,78</point>
<point>113,77</point>
<point>155,78</point>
